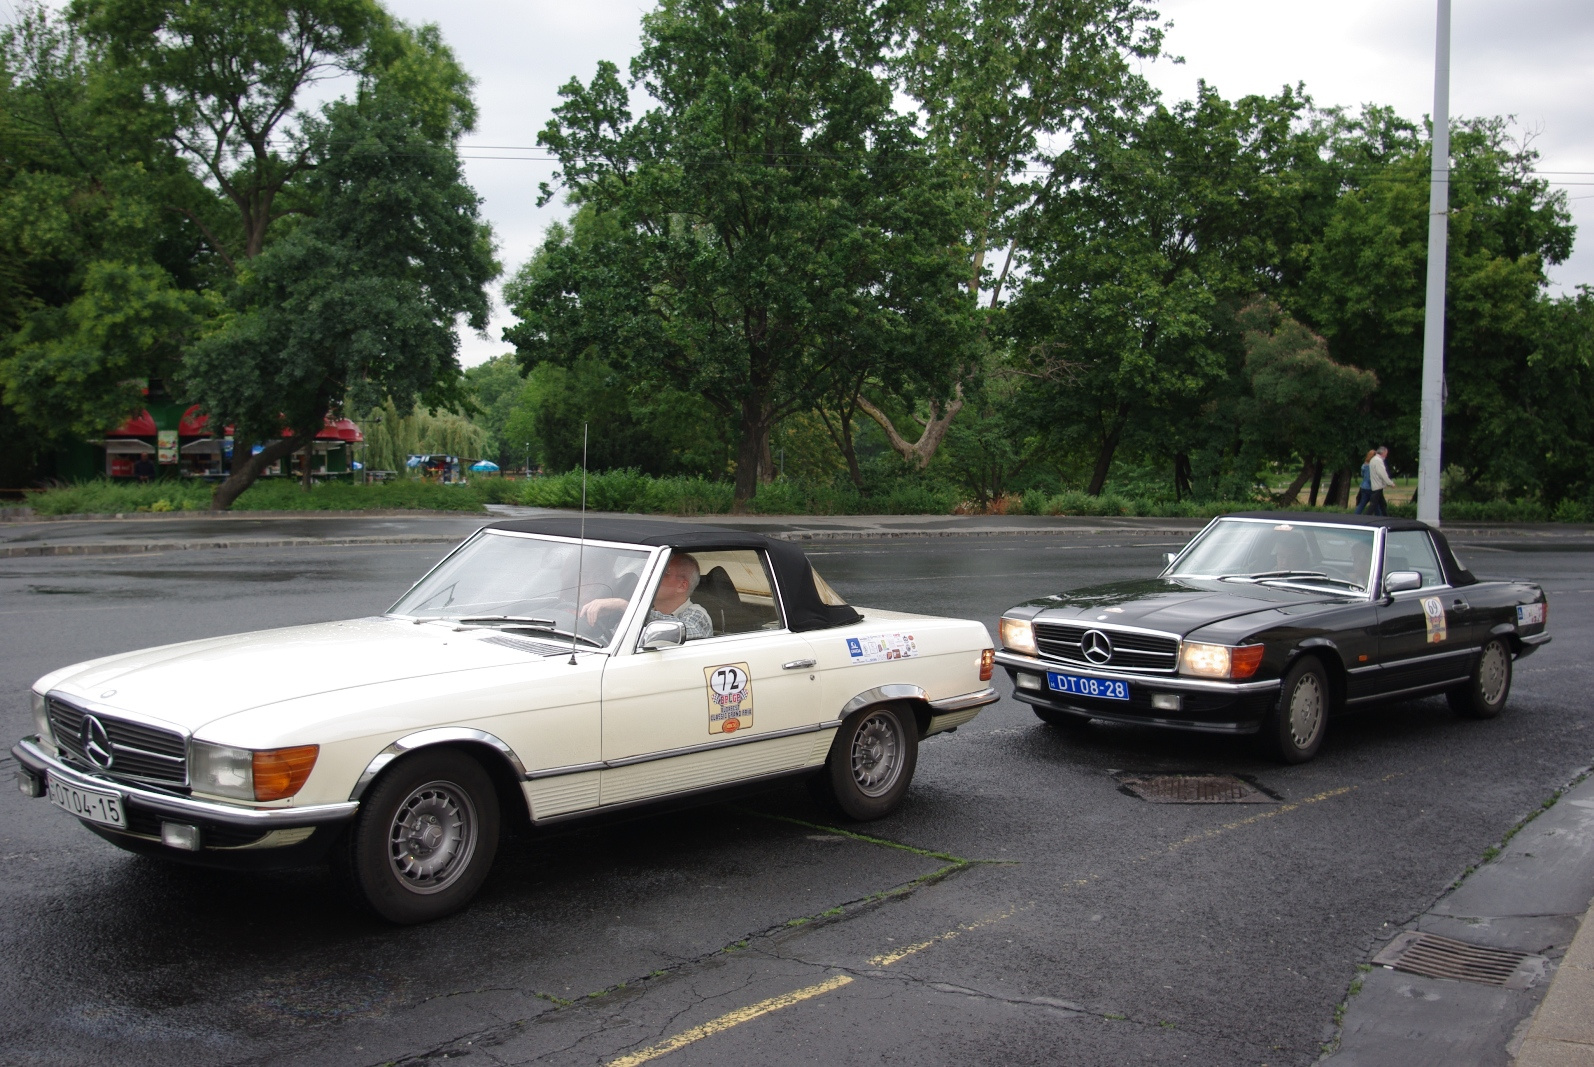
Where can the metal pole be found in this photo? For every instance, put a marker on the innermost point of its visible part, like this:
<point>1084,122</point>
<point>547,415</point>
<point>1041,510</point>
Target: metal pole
<point>1429,462</point>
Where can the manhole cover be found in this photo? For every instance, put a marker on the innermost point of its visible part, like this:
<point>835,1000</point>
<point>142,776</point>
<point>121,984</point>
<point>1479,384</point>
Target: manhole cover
<point>1194,789</point>
<point>1441,957</point>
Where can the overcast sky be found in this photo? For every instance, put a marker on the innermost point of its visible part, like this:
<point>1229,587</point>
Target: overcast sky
<point>1533,59</point>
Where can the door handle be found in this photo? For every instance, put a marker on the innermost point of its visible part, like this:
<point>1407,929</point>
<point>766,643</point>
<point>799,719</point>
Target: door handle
<point>1460,604</point>
<point>797,665</point>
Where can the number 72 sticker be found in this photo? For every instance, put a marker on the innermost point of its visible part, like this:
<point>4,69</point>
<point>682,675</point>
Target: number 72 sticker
<point>730,697</point>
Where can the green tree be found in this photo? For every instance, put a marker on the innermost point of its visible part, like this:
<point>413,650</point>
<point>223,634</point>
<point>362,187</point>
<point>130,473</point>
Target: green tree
<point>359,299</point>
<point>493,387</point>
<point>100,287</point>
<point>997,82</point>
<point>1161,225</point>
<point>1364,287</point>
<point>770,207</point>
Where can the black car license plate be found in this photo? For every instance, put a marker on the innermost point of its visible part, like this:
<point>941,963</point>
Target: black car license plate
<point>1100,688</point>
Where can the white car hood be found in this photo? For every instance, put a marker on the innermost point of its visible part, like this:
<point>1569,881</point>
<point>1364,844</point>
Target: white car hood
<point>197,682</point>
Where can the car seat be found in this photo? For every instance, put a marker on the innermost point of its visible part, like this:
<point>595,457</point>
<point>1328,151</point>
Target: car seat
<point>716,594</point>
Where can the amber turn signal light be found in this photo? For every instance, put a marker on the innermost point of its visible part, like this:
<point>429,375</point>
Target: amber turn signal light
<point>281,772</point>
<point>1244,661</point>
<point>987,664</point>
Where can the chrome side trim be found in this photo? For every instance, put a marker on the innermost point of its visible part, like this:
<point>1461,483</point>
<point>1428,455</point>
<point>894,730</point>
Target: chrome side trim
<point>666,799</point>
<point>29,755</point>
<point>557,772</point>
<point>1431,687</point>
<point>691,750</point>
<point>1447,654</point>
<point>985,696</point>
<point>437,736</point>
<point>880,693</point>
<point>1155,681</point>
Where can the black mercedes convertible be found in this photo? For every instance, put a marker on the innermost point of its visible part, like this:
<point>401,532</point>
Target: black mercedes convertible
<point>1270,623</point>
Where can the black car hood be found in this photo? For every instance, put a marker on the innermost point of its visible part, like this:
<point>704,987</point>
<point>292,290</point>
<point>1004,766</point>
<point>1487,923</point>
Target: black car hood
<point>1174,605</point>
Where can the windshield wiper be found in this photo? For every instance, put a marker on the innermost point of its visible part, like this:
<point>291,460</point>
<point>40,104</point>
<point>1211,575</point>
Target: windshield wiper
<point>522,620</point>
<point>1315,578</point>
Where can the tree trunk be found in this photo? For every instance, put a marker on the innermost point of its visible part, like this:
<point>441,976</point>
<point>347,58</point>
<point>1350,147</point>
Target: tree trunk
<point>1292,494</point>
<point>841,434</point>
<point>1317,481</point>
<point>244,475</point>
<point>1181,476</point>
<point>751,453</point>
<point>1109,445</point>
<point>1336,489</point>
<point>308,453</point>
<point>766,463</point>
<point>920,452</point>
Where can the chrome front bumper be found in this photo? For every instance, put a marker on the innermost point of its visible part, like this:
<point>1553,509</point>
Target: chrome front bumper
<point>33,760</point>
<point>1172,682</point>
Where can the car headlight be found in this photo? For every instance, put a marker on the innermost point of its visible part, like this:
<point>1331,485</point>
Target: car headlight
<point>249,774</point>
<point>41,717</point>
<point>1219,661</point>
<point>1019,635</point>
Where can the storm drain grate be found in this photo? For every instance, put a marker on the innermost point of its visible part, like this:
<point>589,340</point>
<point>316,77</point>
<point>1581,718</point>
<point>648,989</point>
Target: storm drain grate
<point>1433,956</point>
<point>1194,789</point>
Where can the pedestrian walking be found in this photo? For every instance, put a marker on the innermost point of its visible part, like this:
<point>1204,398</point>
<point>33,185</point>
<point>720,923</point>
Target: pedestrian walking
<point>1379,480</point>
<point>1364,495</point>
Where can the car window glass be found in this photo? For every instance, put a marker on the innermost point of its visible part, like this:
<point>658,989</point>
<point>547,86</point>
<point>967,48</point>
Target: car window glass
<point>1412,550</point>
<point>1242,547</point>
<point>735,590</point>
<point>1343,554</point>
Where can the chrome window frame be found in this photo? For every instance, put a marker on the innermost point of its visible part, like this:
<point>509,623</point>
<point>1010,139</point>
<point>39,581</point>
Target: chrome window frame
<point>635,646</point>
<point>1375,586</point>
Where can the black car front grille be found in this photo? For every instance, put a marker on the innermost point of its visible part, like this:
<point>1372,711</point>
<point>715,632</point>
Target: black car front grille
<point>1131,651</point>
<point>139,752</point>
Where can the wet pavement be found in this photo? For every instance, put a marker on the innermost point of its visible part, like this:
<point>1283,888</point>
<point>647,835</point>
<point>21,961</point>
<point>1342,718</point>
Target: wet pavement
<point>1018,908</point>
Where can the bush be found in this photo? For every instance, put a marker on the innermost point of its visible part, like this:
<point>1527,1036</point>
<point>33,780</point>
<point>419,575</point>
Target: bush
<point>274,494</point>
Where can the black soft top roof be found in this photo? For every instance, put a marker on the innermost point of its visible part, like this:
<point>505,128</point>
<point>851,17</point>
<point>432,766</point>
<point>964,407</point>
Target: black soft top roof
<point>798,594</point>
<point>1454,571</point>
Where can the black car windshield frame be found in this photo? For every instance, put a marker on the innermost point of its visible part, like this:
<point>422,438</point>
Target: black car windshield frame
<point>1284,551</point>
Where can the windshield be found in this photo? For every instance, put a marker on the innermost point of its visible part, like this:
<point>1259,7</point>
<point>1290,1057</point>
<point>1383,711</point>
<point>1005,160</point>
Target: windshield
<point>1244,549</point>
<point>511,581</point>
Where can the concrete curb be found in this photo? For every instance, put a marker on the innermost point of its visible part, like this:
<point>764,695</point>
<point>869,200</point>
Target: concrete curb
<point>1562,1030</point>
<point>133,548</point>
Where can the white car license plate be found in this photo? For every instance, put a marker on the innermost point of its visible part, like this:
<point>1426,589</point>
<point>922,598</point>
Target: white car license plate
<point>90,804</point>
<point>1087,687</point>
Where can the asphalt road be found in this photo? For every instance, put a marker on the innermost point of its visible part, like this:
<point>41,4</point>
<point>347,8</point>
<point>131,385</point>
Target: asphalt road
<point>1017,909</point>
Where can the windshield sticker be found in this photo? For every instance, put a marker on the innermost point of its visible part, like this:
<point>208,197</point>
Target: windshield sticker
<point>730,698</point>
<point>1530,614</point>
<point>1433,612</point>
<point>878,647</point>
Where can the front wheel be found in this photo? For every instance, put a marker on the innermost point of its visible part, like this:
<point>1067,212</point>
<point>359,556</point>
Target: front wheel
<point>425,837</point>
<point>1486,691</point>
<point>1294,730</point>
<point>871,762</point>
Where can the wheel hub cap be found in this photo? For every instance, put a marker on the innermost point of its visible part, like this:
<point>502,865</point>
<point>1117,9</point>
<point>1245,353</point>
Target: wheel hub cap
<point>432,837</point>
<point>877,755</point>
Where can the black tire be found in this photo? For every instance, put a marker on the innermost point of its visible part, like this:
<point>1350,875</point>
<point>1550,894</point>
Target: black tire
<point>871,763</point>
<point>424,838</point>
<point>1294,729</point>
<point>1063,720</point>
<point>1489,688</point>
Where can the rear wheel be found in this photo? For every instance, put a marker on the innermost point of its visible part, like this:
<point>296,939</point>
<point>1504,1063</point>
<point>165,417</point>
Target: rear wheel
<point>1294,730</point>
<point>425,837</point>
<point>871,762</point>
<point>1490,685</point>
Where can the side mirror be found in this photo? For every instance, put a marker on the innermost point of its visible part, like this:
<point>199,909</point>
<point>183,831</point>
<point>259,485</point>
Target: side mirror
<point>1400,581</point>
<point>663,633</point>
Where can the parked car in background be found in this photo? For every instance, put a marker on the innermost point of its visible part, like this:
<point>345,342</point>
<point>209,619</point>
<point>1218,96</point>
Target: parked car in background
<point>527,676</point>
<point>1271,623</point>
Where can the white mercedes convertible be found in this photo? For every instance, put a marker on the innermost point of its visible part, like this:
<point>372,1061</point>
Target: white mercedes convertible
<point>538,673</point>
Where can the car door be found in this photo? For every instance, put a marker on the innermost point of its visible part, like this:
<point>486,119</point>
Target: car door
<point>739,704</point>
<point>1423,634</point>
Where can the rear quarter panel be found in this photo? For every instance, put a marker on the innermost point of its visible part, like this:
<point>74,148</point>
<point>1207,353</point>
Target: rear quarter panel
<point>941,656</point>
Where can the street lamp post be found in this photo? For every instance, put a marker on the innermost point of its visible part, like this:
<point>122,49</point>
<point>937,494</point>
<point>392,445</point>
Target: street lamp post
<point>1429,458</point>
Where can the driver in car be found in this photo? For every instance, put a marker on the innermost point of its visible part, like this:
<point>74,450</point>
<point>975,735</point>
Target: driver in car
<point>1290,552</point>
<point>672,601</point>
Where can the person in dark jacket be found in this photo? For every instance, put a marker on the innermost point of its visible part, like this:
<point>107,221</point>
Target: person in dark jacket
<point>143,469</point>
<point>1364,495</point>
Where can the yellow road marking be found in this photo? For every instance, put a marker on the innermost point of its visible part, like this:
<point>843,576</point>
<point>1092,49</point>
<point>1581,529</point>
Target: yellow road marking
<point>1274,813</point>
<point>886,959</point>
<point>730,1019</point>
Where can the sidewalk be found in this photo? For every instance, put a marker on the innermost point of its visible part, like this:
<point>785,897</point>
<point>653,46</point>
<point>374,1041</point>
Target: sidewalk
<point>1532,899</point>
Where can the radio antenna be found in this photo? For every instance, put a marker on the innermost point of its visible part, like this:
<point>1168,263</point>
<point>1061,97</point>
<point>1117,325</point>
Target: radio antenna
<point>581,546</point>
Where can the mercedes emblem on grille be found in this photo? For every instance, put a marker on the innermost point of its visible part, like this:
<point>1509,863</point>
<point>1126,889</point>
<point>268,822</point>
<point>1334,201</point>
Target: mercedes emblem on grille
<point>96,743</point>
<point>1096,646</point>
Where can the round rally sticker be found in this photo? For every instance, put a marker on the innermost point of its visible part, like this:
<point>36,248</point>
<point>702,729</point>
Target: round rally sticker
<point>730,697</point>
